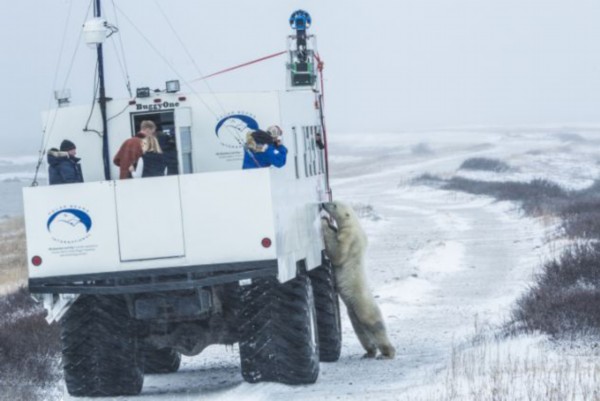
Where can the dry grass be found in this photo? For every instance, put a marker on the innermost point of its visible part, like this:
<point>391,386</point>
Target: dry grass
<point>514,371</point>
<point>13,255</point>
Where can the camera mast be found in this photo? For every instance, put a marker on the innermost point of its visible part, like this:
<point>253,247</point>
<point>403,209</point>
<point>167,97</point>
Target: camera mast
<point>102,97</point>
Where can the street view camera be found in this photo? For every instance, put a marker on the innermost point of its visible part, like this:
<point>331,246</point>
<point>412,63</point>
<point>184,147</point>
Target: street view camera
<point>300,20</point>
<point>302,65</point>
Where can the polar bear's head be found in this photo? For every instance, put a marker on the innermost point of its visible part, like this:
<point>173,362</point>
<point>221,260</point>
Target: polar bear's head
<point>342,213</point>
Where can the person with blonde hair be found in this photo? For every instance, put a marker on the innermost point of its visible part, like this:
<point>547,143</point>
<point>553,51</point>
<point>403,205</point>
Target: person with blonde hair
<point>152,163</point>
<point>131,150</point>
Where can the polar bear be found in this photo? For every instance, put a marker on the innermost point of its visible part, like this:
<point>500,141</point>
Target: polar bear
<point>345,247</point>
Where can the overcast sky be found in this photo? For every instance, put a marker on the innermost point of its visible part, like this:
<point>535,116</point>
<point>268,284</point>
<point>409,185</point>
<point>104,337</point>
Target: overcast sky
<point>389,65</point>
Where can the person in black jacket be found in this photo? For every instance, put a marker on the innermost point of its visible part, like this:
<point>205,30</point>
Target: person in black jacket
<point>152,163</point>
<point>63,165</point>
<point>167,143</point>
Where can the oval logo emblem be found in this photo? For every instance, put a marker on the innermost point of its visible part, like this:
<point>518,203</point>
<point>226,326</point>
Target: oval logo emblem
<point>232,130</point>
<point>69,225</point>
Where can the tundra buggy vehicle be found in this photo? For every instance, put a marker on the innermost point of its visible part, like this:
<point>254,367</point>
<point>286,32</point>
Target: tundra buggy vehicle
<point>138,272</point>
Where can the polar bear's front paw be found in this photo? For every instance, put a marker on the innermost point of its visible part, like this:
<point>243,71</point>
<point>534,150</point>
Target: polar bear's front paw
<point>328,225</point>
<point>371,353</point>
<point>329,232</point>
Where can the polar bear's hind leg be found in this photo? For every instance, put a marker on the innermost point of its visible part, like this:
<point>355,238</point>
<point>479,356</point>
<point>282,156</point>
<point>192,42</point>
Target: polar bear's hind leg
<point>371,320</point>
<point>363,336</point>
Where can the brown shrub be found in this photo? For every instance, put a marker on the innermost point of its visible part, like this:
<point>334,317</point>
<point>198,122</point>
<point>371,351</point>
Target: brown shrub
<point>29,350</point>
<point>564,301</point>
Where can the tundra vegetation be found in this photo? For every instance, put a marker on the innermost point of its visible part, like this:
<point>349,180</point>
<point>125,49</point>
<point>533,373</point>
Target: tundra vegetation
<point>561,303</point>
<point>29,347</point>
<point>563,300</point>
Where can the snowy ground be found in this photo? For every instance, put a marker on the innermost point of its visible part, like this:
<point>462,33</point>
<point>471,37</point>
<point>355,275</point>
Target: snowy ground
<point>445,267</point>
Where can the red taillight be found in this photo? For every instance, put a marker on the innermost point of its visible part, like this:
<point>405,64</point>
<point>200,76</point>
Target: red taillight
<point>266,242</point>
<point>182,98</point>
<point>36,260</point>
<point>157,101</point>
<point>132,102</point>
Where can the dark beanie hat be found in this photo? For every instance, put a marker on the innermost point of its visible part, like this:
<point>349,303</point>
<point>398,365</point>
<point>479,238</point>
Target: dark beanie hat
<point>67,145</point>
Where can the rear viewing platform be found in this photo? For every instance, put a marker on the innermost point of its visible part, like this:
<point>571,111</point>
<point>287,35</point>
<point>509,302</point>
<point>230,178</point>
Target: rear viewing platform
<point>211,235</point>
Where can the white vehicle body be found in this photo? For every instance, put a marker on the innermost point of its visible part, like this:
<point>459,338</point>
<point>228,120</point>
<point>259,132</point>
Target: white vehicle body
<point>220,244</point>
<point>212,216</point>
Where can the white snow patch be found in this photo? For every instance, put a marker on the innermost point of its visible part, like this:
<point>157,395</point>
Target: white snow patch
<point>345,159</point>
<point>440,257</point>
<point>412,290</point>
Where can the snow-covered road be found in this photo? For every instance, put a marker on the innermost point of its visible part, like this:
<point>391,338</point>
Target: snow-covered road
<point>443,265</point>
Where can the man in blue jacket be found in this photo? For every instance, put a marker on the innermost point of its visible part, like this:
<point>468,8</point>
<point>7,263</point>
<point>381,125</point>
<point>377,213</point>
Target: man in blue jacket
<point>264,149</point>
<point>63,165</point>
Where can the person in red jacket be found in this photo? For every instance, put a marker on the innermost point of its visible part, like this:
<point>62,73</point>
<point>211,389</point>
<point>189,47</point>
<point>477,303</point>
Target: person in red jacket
<point>131,150</point>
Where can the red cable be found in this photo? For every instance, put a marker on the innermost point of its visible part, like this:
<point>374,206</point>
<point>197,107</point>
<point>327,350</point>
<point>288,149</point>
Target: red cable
<point>240,66</point>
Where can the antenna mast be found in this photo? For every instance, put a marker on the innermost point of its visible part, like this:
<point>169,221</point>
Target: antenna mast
<point>102,98</point>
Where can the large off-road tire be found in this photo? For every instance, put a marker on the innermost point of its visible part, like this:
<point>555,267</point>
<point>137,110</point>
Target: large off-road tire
<point>327,304</point>
<point>278,332</point>
<point>99,348</point>
<point>165,360</point>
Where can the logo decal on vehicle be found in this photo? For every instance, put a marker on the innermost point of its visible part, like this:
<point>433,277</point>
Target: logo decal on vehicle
<point>233,128</point>
<point>69,225</point>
